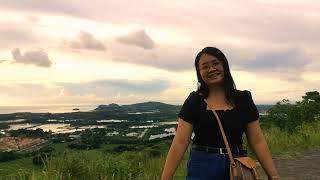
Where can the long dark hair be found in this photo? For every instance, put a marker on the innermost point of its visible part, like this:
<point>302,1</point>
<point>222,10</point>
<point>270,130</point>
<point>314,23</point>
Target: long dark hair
<point>229,85</point>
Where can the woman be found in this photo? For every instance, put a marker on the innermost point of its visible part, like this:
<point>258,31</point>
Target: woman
<point>216,90</point>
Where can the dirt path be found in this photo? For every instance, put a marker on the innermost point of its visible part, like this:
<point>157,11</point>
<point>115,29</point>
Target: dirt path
<point>305,166</point>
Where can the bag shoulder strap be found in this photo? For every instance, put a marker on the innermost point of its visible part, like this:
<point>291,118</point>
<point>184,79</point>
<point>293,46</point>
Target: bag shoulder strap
<point>223,135</point>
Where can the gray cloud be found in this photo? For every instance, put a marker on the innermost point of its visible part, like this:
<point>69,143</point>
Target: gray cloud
<point>112,87</point>
<point>35,57</point>
<point>277,22</point>
<point>138,38</point>
<point>169,58</point>
<point>294,59</point>
<point>86,41</point>
<point>15,35</point>
<point>70,7</point>
<point>266,22</point>
<point>287,64</point>
<point>251,22</point>
<point>255,20</point>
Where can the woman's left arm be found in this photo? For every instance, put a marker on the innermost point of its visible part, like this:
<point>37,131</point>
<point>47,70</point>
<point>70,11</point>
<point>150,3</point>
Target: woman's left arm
<point>259,145</point>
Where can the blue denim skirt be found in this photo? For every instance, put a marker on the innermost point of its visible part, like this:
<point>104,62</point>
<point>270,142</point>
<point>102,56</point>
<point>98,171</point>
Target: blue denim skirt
<point>204,166</point>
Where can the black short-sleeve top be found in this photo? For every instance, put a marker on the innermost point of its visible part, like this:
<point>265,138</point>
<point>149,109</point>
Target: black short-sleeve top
<point>205,126</point>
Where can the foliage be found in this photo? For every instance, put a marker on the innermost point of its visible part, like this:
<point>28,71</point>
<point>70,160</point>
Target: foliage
<point>288,116</point>
<point>42,155</point>
<point>29,133</point>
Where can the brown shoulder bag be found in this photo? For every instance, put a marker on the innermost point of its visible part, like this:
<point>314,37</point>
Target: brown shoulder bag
<point>241,168</point>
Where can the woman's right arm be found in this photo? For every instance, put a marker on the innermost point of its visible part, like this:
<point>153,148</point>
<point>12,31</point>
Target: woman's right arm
<point>177,149</point>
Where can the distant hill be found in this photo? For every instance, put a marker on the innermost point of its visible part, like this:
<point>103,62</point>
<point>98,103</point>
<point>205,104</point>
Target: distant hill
<point>263,108</point>
<point>138,107</point>
<point>152,106</point>
<point>138,111</point>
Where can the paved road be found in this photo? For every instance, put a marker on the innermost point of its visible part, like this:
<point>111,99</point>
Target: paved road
<point>305,166</point>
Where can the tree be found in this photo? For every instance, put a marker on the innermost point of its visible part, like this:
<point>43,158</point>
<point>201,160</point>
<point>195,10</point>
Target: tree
<point>312,96</point>
<point>288,116</point>
<point>310,106</point>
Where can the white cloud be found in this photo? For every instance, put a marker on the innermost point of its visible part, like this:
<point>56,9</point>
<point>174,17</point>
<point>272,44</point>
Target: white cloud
<point>35,57</point>
<point>138,38</point>
<point>86,40</point>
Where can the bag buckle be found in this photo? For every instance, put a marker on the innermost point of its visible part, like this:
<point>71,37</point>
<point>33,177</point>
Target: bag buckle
<point>220,149</point>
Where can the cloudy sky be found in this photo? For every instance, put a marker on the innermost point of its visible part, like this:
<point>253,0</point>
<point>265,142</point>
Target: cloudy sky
<point>101,52</point>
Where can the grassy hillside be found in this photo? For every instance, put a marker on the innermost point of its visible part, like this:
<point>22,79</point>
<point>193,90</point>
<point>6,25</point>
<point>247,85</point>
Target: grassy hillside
<point>146,164</point>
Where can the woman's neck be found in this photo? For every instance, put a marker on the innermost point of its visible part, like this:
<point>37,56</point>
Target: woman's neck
<point>216,91</point>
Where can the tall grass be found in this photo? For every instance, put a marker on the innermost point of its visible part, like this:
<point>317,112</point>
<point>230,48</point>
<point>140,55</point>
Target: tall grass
<point>305,137</point>
<point>88,165</point>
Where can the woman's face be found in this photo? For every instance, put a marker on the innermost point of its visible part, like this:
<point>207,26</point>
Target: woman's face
<point>211,69</point>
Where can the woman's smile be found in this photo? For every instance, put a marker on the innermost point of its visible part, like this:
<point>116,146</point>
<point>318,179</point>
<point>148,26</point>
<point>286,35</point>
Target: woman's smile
<point>213,75</point>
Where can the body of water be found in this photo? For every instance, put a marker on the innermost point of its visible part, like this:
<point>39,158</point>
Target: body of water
<point>56,128</point>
